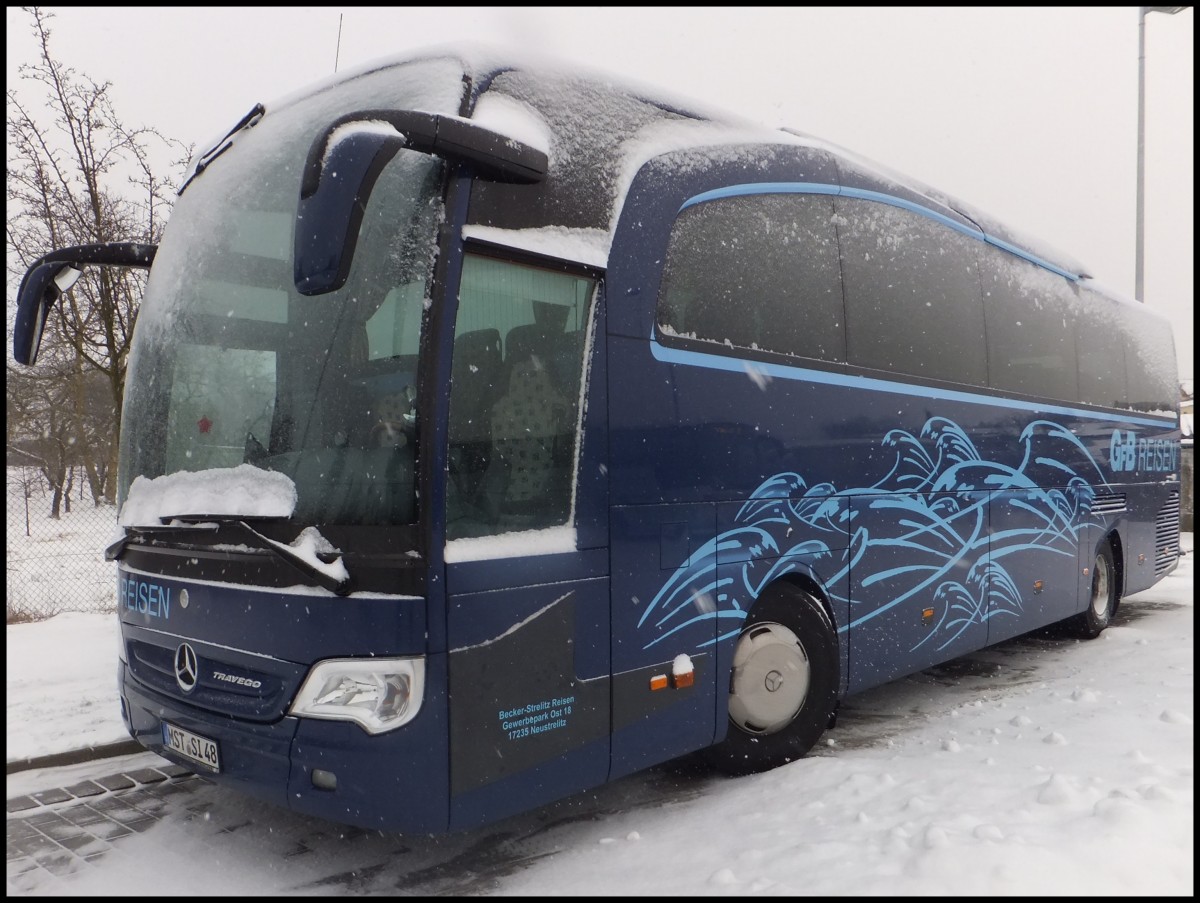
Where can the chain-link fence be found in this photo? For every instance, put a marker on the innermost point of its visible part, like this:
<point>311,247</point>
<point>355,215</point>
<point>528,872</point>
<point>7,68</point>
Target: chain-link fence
<point>1188,477</point>
<point>56,565</point>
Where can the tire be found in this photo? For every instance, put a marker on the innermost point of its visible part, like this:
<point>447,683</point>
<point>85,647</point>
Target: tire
<point>783,683</point>
<point>1102,600</point>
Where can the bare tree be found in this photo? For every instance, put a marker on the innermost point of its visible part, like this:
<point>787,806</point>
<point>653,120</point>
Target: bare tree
<point>77,175</point>
<point>39,403</point>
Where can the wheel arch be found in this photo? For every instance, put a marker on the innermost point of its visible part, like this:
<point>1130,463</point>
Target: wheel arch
<point>807,582</point>
<point>1113,538</point>
<point>788,630</point>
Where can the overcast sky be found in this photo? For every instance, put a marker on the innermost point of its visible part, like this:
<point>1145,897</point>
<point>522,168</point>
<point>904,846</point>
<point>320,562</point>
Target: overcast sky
<point>1028,113</point>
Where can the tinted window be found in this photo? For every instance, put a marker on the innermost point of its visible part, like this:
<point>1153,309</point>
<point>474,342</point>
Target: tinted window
<point>912,293</point>
<point>1030,328</point>
<point>1149,361</point>
<point>515,388</point>
<point>1101,349</point>
<point>758,273</point>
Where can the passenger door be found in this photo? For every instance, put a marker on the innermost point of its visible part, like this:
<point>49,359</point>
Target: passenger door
<point>526,585</point>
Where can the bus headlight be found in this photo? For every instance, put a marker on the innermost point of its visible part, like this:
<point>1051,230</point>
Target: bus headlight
<point>379,694</point>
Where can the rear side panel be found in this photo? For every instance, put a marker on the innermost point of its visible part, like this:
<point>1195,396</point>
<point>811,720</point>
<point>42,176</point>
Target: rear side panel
<point>939,516</point>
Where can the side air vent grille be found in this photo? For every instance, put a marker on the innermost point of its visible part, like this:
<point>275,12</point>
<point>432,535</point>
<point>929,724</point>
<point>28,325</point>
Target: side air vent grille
<point>1166,536</point>
<point>1108,503</point>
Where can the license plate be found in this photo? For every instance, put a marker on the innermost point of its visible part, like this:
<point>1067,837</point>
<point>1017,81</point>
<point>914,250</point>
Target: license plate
<point>191,746</point>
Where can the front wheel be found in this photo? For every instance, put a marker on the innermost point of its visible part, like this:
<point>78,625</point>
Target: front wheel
<point>783,683</point>
<point>1102,603</point>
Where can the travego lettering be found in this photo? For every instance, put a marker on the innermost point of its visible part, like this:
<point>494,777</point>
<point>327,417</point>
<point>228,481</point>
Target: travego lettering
<point>235,679</point>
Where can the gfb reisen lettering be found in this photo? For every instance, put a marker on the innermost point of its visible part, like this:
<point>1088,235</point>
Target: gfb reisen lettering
<point>536,717</point>
<point>145,598</point>
<point>1126,452</point>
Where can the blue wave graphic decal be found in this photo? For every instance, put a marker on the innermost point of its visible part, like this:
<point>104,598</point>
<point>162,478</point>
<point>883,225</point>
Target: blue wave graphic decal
<point>927,536</point>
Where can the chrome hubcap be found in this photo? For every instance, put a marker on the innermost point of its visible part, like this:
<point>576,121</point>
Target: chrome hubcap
<point>771,675</point>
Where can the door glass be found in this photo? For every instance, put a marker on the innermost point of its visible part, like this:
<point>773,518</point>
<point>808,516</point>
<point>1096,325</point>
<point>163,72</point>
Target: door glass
<point>516,388</point>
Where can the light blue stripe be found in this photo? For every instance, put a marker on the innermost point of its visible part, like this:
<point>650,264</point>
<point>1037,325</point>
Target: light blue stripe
<point>871,384</point>
<point>863,194</point>
<point>1013,249</point>
<point>754,188</point>
<point>732,191</point>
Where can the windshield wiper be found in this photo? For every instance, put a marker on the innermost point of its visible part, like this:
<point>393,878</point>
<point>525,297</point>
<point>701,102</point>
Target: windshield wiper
<point>250,120</point>
<point>114,551</point>
<point>190,523</point>
<point>339,585</point>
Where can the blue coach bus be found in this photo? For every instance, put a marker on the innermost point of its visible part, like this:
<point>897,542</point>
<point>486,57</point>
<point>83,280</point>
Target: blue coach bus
<point>495,431</point>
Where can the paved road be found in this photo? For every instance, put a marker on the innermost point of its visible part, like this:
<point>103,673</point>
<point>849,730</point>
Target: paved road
<point>85,836</point>
<point>64,829</point>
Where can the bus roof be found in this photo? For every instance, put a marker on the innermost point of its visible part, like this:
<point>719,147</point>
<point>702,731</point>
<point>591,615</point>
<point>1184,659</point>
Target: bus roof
<point>599,130</point>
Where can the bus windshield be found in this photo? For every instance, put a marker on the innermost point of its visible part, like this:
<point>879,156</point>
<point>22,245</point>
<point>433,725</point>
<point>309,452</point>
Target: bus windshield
<point>233,366</point>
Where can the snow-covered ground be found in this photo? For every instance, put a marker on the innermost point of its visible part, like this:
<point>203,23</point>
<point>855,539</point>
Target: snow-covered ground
<point>55,565</point>
<point>1042,766</point>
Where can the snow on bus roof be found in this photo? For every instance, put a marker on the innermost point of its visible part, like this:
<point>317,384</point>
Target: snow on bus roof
<point>694,125</point>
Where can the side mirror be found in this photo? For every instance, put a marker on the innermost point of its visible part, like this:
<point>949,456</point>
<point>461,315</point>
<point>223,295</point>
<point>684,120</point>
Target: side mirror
<point>41,287</point>
<point>49,277</point>
<point>345,161</point>
<point>330,214</point>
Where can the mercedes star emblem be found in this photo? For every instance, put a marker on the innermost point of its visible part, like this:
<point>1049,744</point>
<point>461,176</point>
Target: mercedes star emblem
<point>187,668</point>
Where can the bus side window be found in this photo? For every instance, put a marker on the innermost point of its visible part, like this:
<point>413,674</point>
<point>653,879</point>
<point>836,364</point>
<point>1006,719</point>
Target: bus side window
<point>514,419</point>
<point>1030,327</point>
<point>913,300</point>
<point>759,274</point>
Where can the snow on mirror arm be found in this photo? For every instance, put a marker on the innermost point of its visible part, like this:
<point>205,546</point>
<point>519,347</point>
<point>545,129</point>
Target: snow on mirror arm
<point>345,161</point>
<point>49,277</point>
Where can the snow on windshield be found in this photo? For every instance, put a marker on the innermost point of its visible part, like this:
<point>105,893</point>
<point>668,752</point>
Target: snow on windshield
<point>242,491</point>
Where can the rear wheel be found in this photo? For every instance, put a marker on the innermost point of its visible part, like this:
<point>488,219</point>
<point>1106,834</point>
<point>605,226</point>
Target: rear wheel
<point>783,683</point>
<point>1102,602</point>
